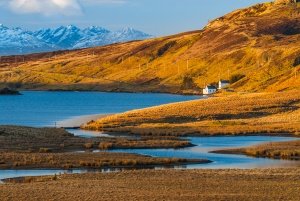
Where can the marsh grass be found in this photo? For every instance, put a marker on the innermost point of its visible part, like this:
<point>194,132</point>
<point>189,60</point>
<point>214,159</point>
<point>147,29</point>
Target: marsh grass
<point>84,160</point>
<point>45,140</point>
<point>277,150</point>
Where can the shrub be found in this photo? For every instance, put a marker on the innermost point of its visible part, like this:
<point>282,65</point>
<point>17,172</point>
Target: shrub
<point>105,145</point>
<point>236,77</point>
<point>188,82</point>
<point>44,150</point>
<point>88,145</point>
<point>297,61</point>
<point>165,48</point>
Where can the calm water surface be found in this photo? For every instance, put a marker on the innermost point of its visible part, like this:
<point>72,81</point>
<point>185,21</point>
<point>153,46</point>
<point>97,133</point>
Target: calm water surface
<point>46,108</point>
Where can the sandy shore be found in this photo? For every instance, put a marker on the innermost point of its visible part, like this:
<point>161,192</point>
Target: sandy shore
<point>77,122</point>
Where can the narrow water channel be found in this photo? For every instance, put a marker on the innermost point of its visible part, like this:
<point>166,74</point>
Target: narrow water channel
<point>204,145</point>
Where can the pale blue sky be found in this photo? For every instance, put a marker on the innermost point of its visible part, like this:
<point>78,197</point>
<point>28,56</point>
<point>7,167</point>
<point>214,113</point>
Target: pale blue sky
<point>157,17</point>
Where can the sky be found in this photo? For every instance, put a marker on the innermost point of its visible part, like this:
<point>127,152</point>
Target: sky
<point>156,17</point>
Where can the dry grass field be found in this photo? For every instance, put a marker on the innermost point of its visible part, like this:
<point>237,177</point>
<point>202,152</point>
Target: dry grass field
<point>277,150</point>
<point>88,160</point>
<point>261,43</point>
<point>26,139</point>
<point>231,114</point>
<point>217,185</point>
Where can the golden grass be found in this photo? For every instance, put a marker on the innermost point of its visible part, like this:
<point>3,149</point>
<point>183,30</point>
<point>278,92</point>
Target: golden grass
<point>260,42</point>
<point>258,113</point>
<point>45,140</point>
<point>12,160</point>
<point>181,185</point>
<point>278,150</point>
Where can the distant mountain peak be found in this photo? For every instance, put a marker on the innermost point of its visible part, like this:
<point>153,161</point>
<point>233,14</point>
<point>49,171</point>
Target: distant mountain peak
<point>18,41</point>
<point>72,27</point>
<point>3,27</point>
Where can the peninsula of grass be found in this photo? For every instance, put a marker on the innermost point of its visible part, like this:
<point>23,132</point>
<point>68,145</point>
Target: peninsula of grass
<point>228,114</point>
<point>276,150</point>
<point>87,160</point>
<point>45,140</point>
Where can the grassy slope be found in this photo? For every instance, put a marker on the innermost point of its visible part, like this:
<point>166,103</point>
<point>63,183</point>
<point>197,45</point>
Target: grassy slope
<point>232,114</point>
<point>261,42</point>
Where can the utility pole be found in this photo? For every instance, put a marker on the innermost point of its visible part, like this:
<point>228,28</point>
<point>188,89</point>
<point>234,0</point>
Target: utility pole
<point>228,72</point>
<point>187,65</point>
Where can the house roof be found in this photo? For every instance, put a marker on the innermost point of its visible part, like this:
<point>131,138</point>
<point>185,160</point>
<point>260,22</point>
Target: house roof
<point>225,81</point>
<point>210,87</point>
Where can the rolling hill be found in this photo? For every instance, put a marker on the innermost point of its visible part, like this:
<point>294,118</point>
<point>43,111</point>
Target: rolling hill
<point>259,45</point>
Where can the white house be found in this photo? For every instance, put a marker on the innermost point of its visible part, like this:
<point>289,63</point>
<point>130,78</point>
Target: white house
<point>223,84</point>
<point>209,89</point>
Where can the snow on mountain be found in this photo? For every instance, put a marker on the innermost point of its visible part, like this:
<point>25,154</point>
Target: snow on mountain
<point>105,38</point>
<point>63,36</point>
<point>18,41</point>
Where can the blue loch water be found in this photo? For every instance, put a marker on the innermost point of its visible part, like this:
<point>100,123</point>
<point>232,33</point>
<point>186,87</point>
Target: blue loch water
<point>45,108</point>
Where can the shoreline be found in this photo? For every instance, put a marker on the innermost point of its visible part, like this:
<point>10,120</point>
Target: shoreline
<point>76,122</point>
<point>112,91</point>
<point>125,167</point>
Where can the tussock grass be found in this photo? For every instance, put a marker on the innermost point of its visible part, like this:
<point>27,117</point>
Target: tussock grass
<point>44,140</point>
<point>12,160</point>
<point>277,150</point>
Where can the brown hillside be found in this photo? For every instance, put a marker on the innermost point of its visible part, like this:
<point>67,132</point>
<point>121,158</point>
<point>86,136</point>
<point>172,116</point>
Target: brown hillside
<point>261,42</point>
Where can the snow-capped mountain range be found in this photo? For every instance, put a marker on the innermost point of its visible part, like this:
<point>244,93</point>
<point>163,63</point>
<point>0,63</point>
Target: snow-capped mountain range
<point>18,41</point>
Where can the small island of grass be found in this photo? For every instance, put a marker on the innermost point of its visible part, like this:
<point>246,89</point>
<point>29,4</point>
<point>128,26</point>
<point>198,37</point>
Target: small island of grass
<point>8,91</point>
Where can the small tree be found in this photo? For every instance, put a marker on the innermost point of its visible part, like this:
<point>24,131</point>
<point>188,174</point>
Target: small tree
<point>236,77</point>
